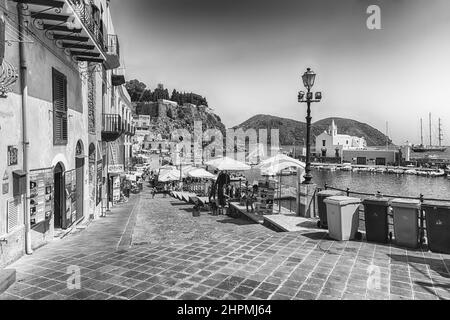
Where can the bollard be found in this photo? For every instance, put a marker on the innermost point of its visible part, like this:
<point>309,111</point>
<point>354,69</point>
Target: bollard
<point>422,219</point>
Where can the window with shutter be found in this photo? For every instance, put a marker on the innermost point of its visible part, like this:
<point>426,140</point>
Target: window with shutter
<point>13,216</point>
<point>60,134</point>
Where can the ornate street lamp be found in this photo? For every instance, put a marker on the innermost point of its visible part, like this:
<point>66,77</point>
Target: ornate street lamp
<point>309,79</point>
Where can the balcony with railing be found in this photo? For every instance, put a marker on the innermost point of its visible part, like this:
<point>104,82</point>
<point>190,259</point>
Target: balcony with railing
<point>90,17</point>
<point>130,129</point>
<point>112,127</point>
<point>113,52</point>
<point>77,27</point>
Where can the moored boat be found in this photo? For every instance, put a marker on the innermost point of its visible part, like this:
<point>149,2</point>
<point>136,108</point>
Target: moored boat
<point>381,170</point>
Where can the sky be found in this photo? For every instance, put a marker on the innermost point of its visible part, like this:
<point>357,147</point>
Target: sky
<point>247,57</point>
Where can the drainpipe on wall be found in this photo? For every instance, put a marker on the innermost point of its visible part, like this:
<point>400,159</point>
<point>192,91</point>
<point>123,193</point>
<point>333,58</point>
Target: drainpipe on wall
<point>26,143</point>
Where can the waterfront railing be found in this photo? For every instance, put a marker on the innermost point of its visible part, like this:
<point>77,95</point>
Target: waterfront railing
<point>421,198</point>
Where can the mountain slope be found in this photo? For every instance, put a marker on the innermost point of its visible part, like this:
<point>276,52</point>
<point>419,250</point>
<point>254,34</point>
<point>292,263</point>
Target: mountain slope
<point>294,132</point>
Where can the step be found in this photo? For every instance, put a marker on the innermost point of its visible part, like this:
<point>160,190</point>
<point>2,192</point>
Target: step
<point>7,278</point>
<point>291,223</point>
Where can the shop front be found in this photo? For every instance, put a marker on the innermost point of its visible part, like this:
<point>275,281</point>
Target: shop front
<point>41,198</point>
<point>115,182</point>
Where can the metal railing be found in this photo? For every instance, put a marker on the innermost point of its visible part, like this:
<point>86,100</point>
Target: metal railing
<point>112,123</point>
<point>421,198</point>
<point>86,11</point>
<point>113,44</point>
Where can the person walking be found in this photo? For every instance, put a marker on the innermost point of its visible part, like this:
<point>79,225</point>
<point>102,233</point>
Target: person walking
<point>248,197</point>
<point>165,191</point>
<point>127,188</point>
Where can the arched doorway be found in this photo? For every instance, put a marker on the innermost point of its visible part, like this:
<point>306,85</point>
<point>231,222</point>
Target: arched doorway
<point>79,167</point>
<point>59,200</point>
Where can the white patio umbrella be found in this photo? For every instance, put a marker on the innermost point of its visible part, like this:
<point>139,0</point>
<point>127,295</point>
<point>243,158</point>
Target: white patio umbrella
<point>280,162</point>
<point>185,171</point>
<point>169,176</point>
<point>277,164</point>
<point>201,174</point>
<point>228,164</point>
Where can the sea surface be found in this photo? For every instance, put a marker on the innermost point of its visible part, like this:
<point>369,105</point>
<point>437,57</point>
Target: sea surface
<point>387,184</point>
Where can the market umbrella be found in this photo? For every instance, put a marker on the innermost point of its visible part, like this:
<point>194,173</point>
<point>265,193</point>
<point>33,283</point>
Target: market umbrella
<point>201,174</point>
<point>228,164</point>
<point>281,162</point>
<point>185,171</point>
<point>169,176</point>
<point>275,166</point>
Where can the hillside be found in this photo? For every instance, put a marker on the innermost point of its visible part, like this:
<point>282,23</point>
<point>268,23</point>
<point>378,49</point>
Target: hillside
<point>168,116</point>
<point>293,132</point>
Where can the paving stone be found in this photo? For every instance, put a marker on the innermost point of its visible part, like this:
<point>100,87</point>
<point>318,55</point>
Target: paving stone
<point>305,295</point>
<point>82,295</point>
<point>217,294</point>
<point>261,294</point>
<point>189,296</point>
<point>207,259</point>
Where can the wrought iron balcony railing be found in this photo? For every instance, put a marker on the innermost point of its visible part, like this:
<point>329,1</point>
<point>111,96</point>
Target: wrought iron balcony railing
<point>112,127</point>
<point>113,44</point>
<point>90,16</point>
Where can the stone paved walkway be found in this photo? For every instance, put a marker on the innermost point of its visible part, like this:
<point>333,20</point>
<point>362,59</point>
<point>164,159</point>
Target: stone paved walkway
<point>235,261</point>
<point>169,221</point>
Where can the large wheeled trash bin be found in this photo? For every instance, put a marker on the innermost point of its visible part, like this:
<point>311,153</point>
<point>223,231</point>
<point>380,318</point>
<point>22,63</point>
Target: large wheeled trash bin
<point>376,211</point>
<point>437,217</point>
<point>343,217</point>
<point>406,222</point>
<point>321,196</point>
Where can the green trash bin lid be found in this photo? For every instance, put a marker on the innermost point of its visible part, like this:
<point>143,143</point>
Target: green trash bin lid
<point>437,204</point>
<point>405,203</point>
<point>378,201</point>
<point>342,201</point>
<point>330,193</point>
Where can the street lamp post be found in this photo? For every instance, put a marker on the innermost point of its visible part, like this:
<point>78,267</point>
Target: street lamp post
<point>309,78</point>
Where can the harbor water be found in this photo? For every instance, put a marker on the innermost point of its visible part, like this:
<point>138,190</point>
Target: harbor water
<point>387,184</point>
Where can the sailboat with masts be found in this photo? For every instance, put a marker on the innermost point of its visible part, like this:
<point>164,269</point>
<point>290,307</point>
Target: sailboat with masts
<point>430,148</point>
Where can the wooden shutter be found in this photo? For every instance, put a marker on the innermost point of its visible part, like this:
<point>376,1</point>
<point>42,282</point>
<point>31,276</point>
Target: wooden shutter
<point>60,133</point>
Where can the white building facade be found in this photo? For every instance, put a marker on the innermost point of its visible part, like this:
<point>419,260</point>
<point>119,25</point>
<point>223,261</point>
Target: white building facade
<point>63,57</point>
<point>331,144</point>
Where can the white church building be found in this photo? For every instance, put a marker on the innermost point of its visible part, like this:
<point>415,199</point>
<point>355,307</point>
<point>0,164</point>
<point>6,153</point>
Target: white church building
<point>330,144</point>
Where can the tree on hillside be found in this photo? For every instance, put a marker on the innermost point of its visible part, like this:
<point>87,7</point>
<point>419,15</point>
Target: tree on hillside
<point>139,93</point>
<point>135,89</point>
<point>147,96</point>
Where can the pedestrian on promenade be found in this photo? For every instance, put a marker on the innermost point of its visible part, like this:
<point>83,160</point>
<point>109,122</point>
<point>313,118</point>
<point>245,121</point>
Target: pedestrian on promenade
<point>248,197</point>
<point>153,192</point>
<point>127,188</point>
<point>252,197</point>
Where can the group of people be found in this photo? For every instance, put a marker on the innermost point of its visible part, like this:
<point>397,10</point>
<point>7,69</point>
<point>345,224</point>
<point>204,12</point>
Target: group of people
<point>250,196</point>
<point>223,190</point>
<point>127,187</point>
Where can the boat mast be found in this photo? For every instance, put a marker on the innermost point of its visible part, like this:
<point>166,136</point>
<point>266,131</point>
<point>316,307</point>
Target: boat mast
<point>421,131</point>
<point>441,135</point>
<point>431,136</point>
<point>387,135</point>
